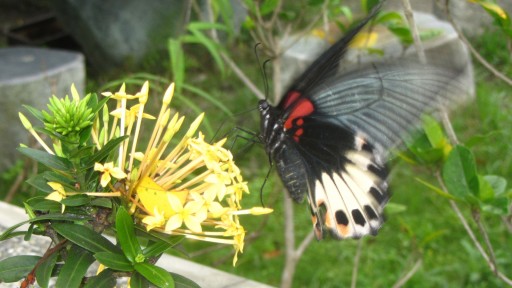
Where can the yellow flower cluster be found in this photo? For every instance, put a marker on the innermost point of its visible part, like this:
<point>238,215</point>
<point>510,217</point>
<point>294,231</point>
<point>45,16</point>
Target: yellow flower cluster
<point>187,187</point>
<point>191,188</point>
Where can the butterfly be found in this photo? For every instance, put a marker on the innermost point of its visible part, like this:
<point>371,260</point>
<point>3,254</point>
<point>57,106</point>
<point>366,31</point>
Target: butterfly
<point>332,132</point>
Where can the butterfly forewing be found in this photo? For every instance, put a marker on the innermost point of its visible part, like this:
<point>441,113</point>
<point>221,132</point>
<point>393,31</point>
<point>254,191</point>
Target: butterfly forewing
<point>331,133</point>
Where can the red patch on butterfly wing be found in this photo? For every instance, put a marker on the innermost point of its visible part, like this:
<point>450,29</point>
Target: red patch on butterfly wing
<point>302,108</point>
<point>290,98</point>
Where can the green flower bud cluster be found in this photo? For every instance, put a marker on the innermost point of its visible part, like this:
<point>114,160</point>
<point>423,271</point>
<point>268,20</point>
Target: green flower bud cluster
<point>68,117</point>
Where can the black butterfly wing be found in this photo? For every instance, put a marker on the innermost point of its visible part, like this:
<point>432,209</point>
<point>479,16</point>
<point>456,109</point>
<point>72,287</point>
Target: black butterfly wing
<point>339,128</point>
<point>339,134</point>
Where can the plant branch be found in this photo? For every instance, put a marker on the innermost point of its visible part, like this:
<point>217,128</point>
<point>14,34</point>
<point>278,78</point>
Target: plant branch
<point>472,49</point>
<point>490,260</point>
<point>483,231</point>
<point>355,268</point>
<point>409,15</point>
<point>401,282</point>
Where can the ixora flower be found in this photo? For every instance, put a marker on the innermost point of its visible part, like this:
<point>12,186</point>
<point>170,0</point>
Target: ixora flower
<point>177,185</point>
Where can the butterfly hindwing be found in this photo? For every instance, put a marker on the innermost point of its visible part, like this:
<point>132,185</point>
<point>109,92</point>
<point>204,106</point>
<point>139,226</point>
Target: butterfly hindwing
<point>344,177</point>
<point>331,134</point>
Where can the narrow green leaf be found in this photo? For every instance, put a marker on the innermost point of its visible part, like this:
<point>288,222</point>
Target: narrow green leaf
<point>114,261</point>
<point>226,10</point>
<point>183,282</point>
<point>50,161</point>
<point>126,235</point>
<point>172,240</point>
<point>156,275</point>
<point>9,231</point>
<point>208,97</point>
<point>206,26</point>
<point>435,189</point>
<point>85,237</point>
<point>37,113</point>
<point>76,200</point>
<point>459,173</point>
<point>104,152</point>
<point>213,48</point>
<point>177,64</point>
<point>395,208</point>
<point>104,279</point>
<point>14,268</point>
<point>138,281</point>
<point>156,248</point>
<point>45,269</point>
<point>75,267</point>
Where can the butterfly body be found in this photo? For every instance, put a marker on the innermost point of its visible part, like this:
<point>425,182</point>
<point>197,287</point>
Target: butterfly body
<point>331,133</point>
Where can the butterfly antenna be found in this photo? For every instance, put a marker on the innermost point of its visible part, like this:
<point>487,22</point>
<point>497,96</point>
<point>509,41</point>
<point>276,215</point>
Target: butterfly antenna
<point>263,70</point>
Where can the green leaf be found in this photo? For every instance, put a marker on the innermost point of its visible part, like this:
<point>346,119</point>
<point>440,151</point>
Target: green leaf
<point>102,202</point>
<point>45,205</point>
<point>485,190</point>
<point>75,267</point>
<point>85,237</point>
<point>39,182</point>
<point>37,113</point>
<point>138,281</point>
<point>159,237</point>
<point>395,208</point>
<point>210,98</point>
<point>45,269</point>
<point>126,235</point>
<point>14,268</point>
<point>391,17</point>
<point>177,62</point>
<point>498,184</point>
<point>434,132</point>
<point>114,261</point>
<point>8,232</point>
<point>368,5</point>
<point>183,282</point>
<point>459,173</point>
<point>156,275</point>
<point>76,200</point>
<point>206,26</point>
<point>50,161</point>
<point>497,206</point>
<point>104,279</point>
<point>403,33</point>
<point>268,6</point>
<point>421,151</point>
<point>104,152</point>
<point>213,48</point>
<point>156,248</point>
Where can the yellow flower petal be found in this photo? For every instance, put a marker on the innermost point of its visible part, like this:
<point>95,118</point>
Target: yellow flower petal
<point>174,223</point>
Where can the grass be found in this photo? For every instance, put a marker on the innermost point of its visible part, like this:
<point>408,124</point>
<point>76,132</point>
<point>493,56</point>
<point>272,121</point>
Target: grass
<point>427,229</point>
